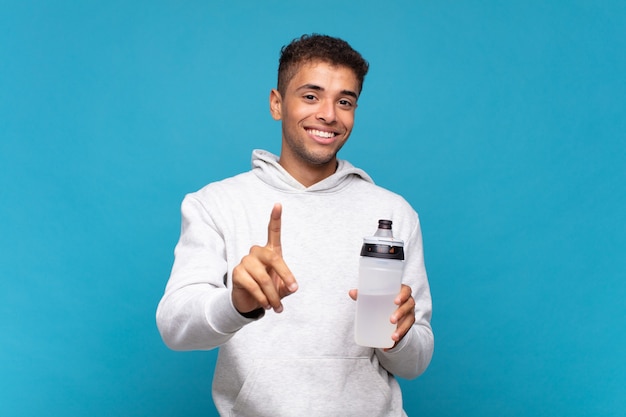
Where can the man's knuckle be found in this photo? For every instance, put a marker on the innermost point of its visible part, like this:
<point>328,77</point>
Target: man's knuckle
<point>274,257</point>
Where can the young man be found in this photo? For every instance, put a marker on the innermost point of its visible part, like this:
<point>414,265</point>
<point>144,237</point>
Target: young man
<point>282,314</point>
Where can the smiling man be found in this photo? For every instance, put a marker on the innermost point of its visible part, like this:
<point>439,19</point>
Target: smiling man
<point>317,110</point>
<point>278,299</point>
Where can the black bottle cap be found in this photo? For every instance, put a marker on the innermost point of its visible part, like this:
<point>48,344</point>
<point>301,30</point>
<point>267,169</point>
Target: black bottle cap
<point>384,224</point>
<point>383,244</point>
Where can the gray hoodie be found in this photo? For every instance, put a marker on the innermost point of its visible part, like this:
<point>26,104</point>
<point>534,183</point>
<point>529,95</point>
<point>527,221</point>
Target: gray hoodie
<point>303,361</point>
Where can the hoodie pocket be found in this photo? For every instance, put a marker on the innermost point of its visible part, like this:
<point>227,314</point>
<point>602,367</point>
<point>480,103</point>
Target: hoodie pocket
<point>316,387</point>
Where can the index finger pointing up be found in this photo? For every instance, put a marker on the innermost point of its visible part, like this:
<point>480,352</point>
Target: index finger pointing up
<point>273,229</point>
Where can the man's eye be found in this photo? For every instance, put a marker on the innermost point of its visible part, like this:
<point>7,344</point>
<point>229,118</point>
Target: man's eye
<point>309,97</point>
<point>347,103</point>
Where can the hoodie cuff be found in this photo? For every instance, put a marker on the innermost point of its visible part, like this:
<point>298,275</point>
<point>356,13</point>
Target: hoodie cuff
<point>223,316</point>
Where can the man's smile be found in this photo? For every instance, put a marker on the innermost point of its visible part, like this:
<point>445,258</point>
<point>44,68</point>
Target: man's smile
<point>321,133</point>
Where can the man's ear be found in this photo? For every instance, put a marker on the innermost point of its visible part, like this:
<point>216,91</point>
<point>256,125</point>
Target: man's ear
<point>276,102</point>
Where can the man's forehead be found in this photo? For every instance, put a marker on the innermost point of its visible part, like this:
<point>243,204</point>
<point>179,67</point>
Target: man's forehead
<point>314,72</point>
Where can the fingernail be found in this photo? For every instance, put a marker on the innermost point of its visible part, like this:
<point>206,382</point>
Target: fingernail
<point>293,287</point>
<point>279,309</point>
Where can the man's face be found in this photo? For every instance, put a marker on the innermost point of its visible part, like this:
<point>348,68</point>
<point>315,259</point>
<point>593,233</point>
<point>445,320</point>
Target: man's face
<point>317,113</point>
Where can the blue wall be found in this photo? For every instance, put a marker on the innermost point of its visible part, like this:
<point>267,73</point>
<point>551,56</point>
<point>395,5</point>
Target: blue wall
<point>505,121</point>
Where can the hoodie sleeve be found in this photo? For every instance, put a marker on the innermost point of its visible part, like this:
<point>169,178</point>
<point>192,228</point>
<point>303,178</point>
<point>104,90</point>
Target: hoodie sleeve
<point>412,355</point>
<point>196,311</point>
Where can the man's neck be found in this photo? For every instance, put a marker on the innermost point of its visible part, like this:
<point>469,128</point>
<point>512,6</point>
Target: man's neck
<point>309,175</point>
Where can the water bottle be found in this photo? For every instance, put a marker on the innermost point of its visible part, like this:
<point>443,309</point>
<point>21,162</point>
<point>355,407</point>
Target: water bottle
<point>380,279</point>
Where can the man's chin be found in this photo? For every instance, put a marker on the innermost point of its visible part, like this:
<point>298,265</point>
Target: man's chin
<point>321,159</point>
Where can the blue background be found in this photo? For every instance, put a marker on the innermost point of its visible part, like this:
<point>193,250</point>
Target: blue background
<point>503,123</point>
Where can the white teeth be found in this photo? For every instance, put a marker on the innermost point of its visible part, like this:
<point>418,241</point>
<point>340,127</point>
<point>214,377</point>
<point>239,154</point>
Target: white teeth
<point>321,133</point>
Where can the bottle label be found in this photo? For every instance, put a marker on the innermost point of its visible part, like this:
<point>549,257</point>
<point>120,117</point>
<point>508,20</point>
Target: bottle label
<point>382,251</point>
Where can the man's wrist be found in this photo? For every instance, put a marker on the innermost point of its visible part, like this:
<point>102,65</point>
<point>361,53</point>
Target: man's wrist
<point>254,314</point>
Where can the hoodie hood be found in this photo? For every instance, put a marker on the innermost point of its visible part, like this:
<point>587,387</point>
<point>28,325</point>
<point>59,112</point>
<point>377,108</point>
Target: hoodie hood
<point>266,167</point>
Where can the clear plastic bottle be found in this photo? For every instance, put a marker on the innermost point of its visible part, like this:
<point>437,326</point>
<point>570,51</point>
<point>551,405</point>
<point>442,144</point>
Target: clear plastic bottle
<point>380,279</point>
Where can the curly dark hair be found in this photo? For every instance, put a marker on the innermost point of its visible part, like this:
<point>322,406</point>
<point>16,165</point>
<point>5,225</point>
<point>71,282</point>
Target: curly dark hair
<point>325,48</point>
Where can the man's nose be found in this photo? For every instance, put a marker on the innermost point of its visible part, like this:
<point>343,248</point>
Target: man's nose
<point>326,112</point>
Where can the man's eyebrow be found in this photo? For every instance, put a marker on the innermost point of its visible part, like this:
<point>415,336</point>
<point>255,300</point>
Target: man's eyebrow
<point>310,87</point>
<point>319,88</point>
<point>350,93</point>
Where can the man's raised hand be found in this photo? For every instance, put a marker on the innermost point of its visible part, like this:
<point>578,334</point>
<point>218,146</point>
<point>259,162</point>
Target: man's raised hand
<point>262,278</point>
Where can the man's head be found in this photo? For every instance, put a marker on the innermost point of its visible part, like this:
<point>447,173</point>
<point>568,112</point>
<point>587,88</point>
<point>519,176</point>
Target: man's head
<point>310,48</point>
